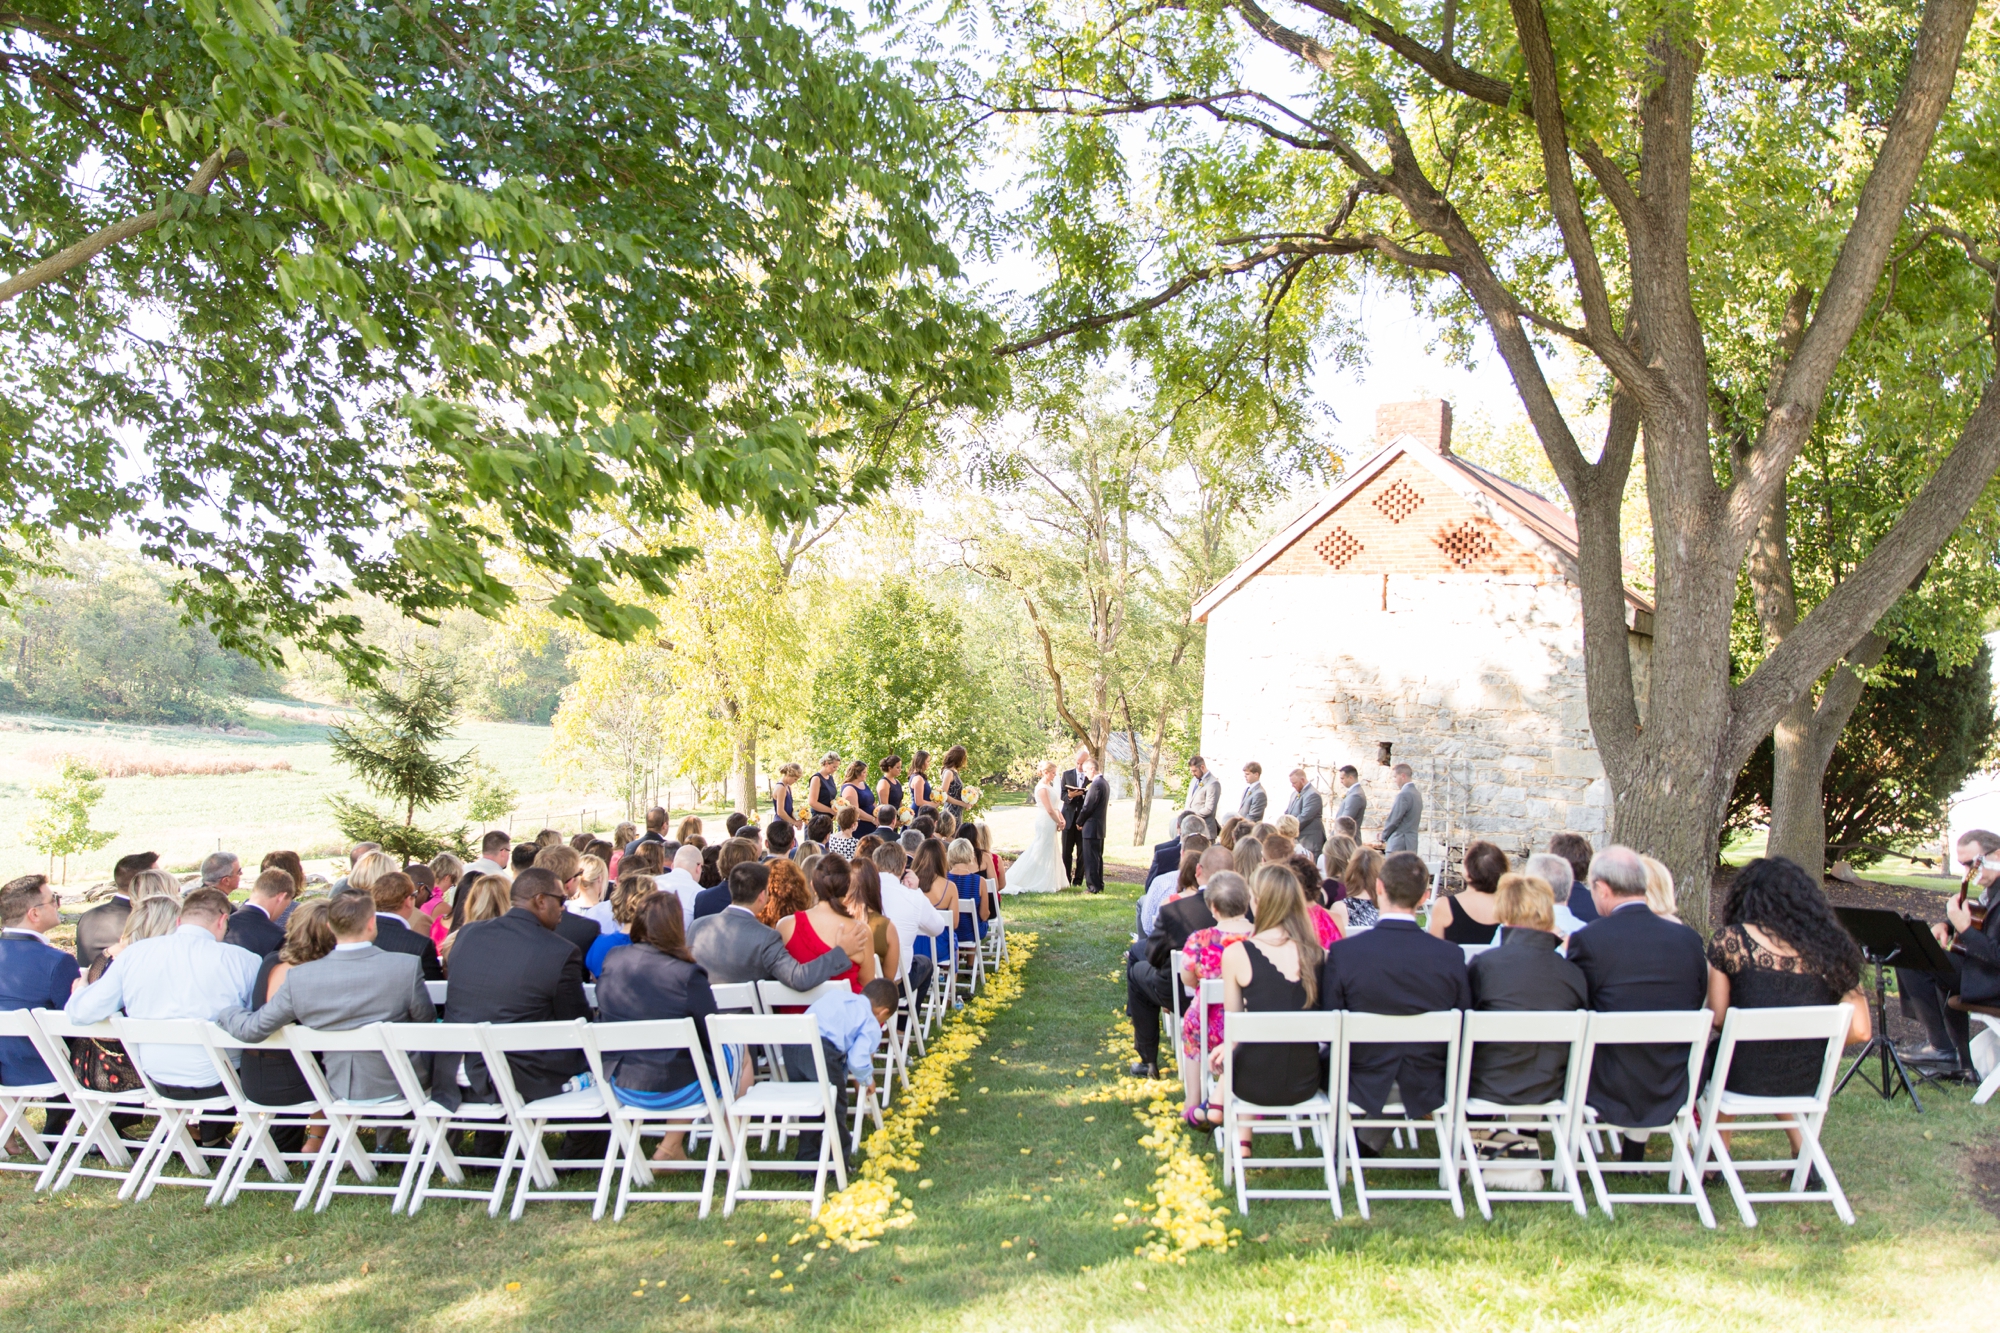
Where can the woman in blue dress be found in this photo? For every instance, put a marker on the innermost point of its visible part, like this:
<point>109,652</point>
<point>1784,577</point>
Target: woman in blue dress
<point>824,788</point>
<point>923,801</point>
<point>936,885</point>
<point>781,796</point>
<point>962,864</point>
<point>855,792</point>
<point>889,793</point>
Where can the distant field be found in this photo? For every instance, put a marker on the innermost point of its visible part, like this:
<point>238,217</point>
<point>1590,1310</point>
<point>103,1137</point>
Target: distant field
<point>185,817</point>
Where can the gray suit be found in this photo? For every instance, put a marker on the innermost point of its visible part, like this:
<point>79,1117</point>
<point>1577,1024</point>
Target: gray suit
<point>1204,796</point>
<point>734,946</point>
<point>1399,830</point>
<point>1306,808</point>
<point>1353,806</point>
<point>347,989</point>
<point>1251,807</point>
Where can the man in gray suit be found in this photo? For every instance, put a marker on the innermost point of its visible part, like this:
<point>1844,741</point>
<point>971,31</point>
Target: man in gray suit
<point>355,985</point>
<point>1204,794</point>
<point>1399,830</point>
<point>1251,807</point>
<point>733,945</point>
<point>1305,807</point>
<point>1354,804</point>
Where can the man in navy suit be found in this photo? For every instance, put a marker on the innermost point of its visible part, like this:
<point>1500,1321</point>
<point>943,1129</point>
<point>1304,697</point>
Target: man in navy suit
<point>254,926</point>
<point>1575,849</point>
<point>1396,968</point>
<point>1634,960</point>
<point>34,974</point>
<point>1167,855</point>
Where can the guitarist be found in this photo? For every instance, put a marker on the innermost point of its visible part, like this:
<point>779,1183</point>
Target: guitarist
<point>1975,949</point>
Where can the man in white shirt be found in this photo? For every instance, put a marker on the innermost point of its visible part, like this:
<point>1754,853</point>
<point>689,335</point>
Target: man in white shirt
<point>493,850</point>
<point>912,914</point>
<point>684,880</point>
<point>188,974</point>
<point>1163,886</point>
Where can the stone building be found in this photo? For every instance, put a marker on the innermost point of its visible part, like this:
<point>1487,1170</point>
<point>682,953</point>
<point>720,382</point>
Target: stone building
<point>1426,612</point>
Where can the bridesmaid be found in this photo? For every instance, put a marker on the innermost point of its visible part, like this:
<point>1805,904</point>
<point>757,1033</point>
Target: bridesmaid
<point>923,802</point>
<point>951,786</point>
<point>889,793</point>
<point>856,793</point>
<point>781,796</point>
<point>821,791</point>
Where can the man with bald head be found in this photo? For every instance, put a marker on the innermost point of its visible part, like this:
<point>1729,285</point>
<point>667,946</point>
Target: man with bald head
<point>1634,960</point>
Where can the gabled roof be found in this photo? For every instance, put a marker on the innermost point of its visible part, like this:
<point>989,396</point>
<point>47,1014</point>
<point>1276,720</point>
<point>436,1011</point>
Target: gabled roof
<point>1534,520</point>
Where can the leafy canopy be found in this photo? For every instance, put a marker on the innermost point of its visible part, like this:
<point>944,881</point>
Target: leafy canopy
<point>406,285</point>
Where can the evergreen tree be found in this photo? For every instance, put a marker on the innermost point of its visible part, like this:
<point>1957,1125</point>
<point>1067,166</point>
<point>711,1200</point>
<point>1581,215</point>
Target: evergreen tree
<point>393,750</point>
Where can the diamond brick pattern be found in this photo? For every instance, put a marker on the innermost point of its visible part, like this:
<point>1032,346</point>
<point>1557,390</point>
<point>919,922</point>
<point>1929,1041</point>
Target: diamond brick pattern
<point>1398,502</point>
<point>1338,547</point>
<point>1467,544</point>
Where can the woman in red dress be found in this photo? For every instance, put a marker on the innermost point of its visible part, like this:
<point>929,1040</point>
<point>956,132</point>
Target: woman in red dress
<point>828,923</point>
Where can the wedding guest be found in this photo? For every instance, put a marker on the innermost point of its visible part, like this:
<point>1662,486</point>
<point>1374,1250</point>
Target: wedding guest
<point>1275,970</point>
<point>828,925</point>
<point>1359,910</point>
<point>1633,960</point>
<point>1524,973</point>
<point>1229,900</point>
<point>516,968</point>
<point>1660,889</point>
<point>735,945</point>
<point>567,867</point>
<point>789,893</point>
<point>1325,924</point>
<point>1339,851</point>
<point>689,832</point>
<point>493,849</point>
<point>1470,915</point>
<point>99,927</point>
<point>657,977</point>
<point>34,974</point>
<point>272,1078</point>
<point>626,900</point>
<point>447,872</point>
<point>1575,849</point>
<point>395,900</point>
<point>1395,968</point>
<point>188,974</point>
<point>1148,980</point>
<point>975,903</point>
<point>864,903</point>
<point>1171,884</point>
<point>1248,856</point>
<point>845,842</point>
<point>1167,855</point>
<point>1554,871</point>
<point>254,926</point>
<point>850,1032</point>
<point>684,881</point>
<point>779,840</point>
<point>487,897</point>
<point>916,921</point>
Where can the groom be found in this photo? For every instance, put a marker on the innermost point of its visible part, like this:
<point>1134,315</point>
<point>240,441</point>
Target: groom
<point>1090,816</point>
<point>1071,795</point>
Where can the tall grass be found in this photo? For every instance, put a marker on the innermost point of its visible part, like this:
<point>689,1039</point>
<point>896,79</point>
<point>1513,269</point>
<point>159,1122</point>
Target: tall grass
<point>132,762</point>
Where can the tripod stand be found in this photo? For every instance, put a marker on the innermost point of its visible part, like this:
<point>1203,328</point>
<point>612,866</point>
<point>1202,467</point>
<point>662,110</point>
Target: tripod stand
<point>1888,939</point>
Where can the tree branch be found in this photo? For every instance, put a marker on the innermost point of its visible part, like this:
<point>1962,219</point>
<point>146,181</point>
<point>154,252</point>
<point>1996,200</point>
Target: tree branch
<point>117,233</point>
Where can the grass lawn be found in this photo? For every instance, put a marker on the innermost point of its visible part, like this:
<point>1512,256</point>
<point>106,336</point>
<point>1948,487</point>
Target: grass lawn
<point>1016,1232</point>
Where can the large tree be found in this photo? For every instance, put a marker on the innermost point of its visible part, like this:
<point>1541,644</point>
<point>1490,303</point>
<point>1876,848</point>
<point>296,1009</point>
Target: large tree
<point>334,298</point>
<point>1640,184</point>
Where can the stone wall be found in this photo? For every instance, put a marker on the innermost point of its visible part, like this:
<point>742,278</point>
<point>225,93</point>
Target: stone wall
<point>1474,680</point>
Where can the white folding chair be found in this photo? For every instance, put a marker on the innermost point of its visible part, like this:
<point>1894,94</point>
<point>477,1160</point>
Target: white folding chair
<point>17,1099</point>
<point>995,943</point>
<point>170,1137</point>
<point>736,997</point>
<point>90,1129</point>
<point>1556,1118</point>
<point>1177,963</point>
<point>1805,1114</point>
<point>1989,1017</point>
<point>341,1148</point>
<point>1208,995</point>
<point>969,954</point>
<point>437,990</point>
<point>1359,1029</point>
<point>629,1124</point>
<point>1686,1029</point>
<point>253,1142</point>
<point>772,995</point>
<point>1242,1120</point>
<point>944,980</point>
<point>581,1109</point>
<point>590,995</point>
<point>781,1106</point>
<point>437,1122</point>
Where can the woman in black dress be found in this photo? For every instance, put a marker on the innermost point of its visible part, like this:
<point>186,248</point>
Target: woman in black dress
<point>272,1078</point>
<point>951,787</point>
<point>889,793</point>
<point>1274,971</point>
<point>1472,916</point>
<point>923,800</point>
<point>1780,946</point>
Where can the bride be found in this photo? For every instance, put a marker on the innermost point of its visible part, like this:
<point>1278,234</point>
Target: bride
<point>1039,869</point>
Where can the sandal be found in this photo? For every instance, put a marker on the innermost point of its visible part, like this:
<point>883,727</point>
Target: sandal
<point>1201,1116</point>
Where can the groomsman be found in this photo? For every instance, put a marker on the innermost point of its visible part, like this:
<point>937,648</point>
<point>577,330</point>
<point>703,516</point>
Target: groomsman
<point>1091,817</point>
<point>1353,805</point>
<point>1074,784</point>
<point>1204,794</point>
<point>1305,807</point>
<point>1399,830</point>
<point>1251,807</point>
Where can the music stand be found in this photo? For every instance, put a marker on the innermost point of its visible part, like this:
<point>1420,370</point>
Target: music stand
<point>1889,939</point>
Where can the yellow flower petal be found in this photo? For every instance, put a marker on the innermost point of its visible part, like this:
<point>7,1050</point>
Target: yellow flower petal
<point>513,1286</point>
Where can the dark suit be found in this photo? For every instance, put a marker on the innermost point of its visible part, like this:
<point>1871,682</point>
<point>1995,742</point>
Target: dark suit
<point>1096,800</point>
<point>714,898</point>
<point>1395,969</point>
<point>1148,981</point>
<point>513,969</point>
<point>250,929</point>
<point>1524,973</point>
<point>579,930</point>
<point>393,935</point>
<point>99,928</point>
<point>1166,857</point>
<point>1633,960</point>
<point>1072,834</point>
<point>642,983</point>
<point>1581,905</point>
<point>33,975</point>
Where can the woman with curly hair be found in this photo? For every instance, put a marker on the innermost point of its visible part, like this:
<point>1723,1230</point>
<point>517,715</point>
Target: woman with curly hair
<point>1780,946</point>
<point>787,894</point>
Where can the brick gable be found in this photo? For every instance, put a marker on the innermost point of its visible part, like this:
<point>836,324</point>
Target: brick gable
<point>1406,520</point>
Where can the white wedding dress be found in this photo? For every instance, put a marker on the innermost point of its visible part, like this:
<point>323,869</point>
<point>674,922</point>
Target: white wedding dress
<point>1039,869</point>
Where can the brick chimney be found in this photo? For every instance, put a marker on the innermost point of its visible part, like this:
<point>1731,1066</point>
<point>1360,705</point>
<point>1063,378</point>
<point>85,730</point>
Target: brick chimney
<point>1428,419</point>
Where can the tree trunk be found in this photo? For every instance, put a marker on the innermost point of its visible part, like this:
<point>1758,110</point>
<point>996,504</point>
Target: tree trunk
<point>746,774</point>
<point>1802,747</point>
